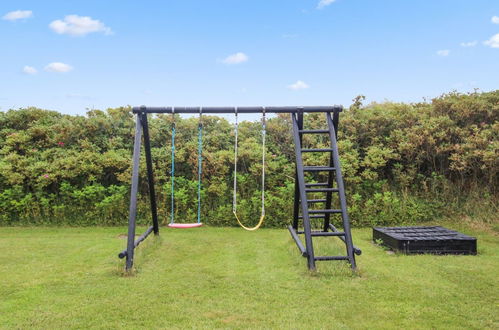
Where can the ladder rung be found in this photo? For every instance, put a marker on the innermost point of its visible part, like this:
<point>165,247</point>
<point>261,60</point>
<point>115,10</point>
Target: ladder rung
<point>324,233</point>
<point>317,168</point>
<point>316,200</point>
<point>322,190</point>
<point>331,258</point>
<point>313,131</point>
<point>312,216</point>
<point>318,150</point>
<point>327,233</point>
<point>323,211</point>
<point>320,184</point>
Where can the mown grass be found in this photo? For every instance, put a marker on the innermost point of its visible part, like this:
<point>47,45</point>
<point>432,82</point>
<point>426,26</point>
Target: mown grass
<point>227,277</point>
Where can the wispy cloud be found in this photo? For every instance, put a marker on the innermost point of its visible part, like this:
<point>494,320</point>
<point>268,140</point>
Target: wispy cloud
<point>298,85</point>
<point>324,3</point>
<point>469,44</point>
<point>58,67</point>
<point>75,25</point>
<point>495,19</point>
<point>493,42</point>
<point>236,58</point>
<point>18,14</point>
<point>29,70</point>
<point>443,52</point>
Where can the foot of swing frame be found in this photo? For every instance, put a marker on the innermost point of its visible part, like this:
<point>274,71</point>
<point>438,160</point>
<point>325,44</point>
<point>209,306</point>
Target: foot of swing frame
<point>142,237</point>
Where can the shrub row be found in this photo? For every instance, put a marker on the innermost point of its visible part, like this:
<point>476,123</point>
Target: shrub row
<point>403,163</point>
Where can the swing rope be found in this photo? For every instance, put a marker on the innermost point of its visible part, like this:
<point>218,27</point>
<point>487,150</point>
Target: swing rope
<point>172,172</point>
<point>234,196</point>
<point>200,161</point>
<point>200,172</point>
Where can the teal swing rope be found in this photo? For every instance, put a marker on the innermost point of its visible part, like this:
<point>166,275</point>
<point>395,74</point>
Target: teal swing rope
<point>172,173</point>
<point>200,168</point>
<point>200,162</point>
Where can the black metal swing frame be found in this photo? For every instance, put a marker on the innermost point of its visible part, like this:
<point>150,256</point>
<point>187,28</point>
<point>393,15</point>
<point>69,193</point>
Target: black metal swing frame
<point>301,188</point>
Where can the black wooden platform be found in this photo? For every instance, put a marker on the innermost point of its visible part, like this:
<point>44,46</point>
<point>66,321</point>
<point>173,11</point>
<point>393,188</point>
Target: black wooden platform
<point>429,239</point>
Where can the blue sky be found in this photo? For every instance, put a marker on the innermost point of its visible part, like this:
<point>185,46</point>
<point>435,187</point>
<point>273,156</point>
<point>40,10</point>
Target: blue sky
<point>72,55</point>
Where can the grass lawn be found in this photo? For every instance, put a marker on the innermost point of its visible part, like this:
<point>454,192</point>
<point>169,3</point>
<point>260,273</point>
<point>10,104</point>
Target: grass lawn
<point>227,277</point>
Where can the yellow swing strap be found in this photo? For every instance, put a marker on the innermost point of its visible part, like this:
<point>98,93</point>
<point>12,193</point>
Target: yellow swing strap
<point>234,196</point>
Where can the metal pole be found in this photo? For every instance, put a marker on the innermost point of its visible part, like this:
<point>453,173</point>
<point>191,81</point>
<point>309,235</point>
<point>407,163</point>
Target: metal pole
<point>296,210</point>
<point>214,110</point>
<point>303,195</point>
<point>329,195</point>
<point>336,121</point>
<point>133,194</point>
<point>150,174</point>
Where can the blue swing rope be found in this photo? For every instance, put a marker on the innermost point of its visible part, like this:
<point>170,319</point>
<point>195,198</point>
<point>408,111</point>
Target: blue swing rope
<point>200,166</point>
<point>172,172</point>
<point>200,161</point>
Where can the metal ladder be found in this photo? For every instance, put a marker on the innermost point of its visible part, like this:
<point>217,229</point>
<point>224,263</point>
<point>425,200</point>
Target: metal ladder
<point>303,203</point>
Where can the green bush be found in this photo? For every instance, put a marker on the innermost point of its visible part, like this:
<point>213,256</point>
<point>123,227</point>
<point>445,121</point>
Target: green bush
<point>402,163</point>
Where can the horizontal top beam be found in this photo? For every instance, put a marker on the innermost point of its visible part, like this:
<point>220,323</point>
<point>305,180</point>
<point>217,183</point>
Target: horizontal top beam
<point>289,109</point>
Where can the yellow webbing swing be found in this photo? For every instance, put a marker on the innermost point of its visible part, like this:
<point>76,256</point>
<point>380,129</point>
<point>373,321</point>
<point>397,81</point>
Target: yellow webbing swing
<point>234,196</point>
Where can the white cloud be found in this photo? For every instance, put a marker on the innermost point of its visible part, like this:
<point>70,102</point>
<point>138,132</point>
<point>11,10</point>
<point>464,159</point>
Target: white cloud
<point>75,25</point>
<point>495,19</point>
<point>469,44</point>
<point>17,14</point>
<point>493,41</point>
<point>29,70</point>
<point>298,85</point>
<point>443,52</point>
<point>236,58</point>
<point>324,3</point>
<point>58,67</point>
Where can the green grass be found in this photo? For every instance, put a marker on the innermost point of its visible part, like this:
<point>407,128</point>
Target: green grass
<point>227,277</point>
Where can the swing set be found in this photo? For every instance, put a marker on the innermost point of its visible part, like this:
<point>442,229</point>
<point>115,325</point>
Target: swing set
<point>172,223</point>
<point>302,203</point>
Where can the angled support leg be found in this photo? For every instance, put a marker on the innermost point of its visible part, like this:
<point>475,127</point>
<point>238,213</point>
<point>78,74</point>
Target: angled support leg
<point>150,174</point>
<point>133,194</point>
<point>296,210</point>
<point>303,195</point>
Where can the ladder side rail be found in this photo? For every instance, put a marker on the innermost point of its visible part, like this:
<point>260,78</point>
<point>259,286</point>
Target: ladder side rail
<point>336,121</point>
<point>329,196</point>
<point>341,193</point>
